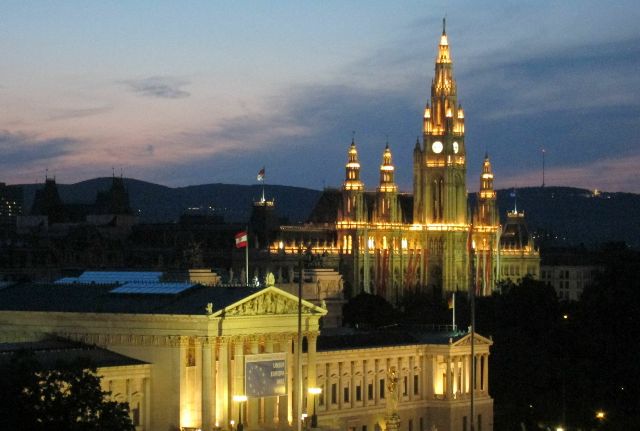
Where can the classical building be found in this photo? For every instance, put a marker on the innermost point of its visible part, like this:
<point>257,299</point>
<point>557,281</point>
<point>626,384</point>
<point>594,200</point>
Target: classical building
<point>204,357</point>
<point>385,242</point>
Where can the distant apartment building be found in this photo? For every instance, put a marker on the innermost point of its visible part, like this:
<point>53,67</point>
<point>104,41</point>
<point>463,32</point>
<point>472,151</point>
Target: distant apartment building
<point>569,271</point>
<point>10,203</point>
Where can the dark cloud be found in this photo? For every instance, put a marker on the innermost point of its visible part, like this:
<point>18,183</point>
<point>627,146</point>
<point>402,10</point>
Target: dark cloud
<point>164,87</point>
<point>19,149</point>
<point>65,114</point>
<point>579,104</point>
<point>576,102</point>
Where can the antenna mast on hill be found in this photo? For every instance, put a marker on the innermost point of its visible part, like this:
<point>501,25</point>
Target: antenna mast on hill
<point>543,152</point>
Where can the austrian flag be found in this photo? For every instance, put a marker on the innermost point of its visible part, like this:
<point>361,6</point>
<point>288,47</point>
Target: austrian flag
<point>241,239</point>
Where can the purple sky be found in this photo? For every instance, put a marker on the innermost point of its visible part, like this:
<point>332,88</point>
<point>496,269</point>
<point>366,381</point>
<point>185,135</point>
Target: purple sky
<point>197,92</point>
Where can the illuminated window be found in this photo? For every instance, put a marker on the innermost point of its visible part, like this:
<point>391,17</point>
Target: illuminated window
<point>135,415</point>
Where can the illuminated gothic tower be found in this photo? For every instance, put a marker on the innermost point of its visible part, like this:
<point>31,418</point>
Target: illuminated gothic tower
<point>439,166</point>
<point>486,232</point>
<point>387,210</point>
<point>487,214</point>
<point>352,189</point>
<point>439,169</point>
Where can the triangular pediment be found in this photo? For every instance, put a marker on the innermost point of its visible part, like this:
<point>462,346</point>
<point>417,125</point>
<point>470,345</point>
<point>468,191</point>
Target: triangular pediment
<point>269,301</point>
<point>479,340</point>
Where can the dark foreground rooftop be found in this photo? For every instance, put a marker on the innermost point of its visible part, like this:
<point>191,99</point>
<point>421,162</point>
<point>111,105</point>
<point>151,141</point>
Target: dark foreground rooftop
<point>95,298</point>
<point>51,352</point>
<point>347,338</point>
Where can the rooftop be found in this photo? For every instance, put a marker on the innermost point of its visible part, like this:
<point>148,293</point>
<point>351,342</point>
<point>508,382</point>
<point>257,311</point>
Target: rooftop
<point>100,298</point>
<point>348,338</point>
<point>50,352</point>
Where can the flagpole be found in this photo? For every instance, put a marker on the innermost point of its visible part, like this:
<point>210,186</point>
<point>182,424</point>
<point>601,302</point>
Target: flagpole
<point>454,311</point>
<point>472,298</point>
<point>246,257</point>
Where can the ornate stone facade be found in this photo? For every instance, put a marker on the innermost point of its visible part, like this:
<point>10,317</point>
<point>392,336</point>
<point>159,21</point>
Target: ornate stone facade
<point>196,365</point>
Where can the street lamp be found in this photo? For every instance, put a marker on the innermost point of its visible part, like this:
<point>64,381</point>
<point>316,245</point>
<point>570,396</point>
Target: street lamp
<point>240,399</point>
<point>314,417</point>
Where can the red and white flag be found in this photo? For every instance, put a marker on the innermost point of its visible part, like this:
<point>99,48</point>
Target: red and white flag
<point>261,174</point>
<point>241,239</point>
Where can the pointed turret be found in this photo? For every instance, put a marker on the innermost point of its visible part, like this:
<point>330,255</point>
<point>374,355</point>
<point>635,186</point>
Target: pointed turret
<point>352,177</point>
<point>387,183</point>
<point>387,196</point>
<point>487,215</point>
<point>352,188</point>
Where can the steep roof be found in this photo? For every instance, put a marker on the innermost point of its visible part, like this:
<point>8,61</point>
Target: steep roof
<point>330,201</point>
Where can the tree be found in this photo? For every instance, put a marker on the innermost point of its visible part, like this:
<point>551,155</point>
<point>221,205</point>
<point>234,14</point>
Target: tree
<point>66,397</point>
<point>368,311</point>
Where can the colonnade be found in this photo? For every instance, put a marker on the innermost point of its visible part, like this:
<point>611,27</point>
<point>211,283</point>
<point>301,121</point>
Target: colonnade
<point>212,373</point>
<point>456,382</point>
<point>360,381</point>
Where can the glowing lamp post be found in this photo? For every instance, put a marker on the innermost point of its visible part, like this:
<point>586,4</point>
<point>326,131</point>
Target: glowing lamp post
<point>240,399</point>
<point>314,418</point>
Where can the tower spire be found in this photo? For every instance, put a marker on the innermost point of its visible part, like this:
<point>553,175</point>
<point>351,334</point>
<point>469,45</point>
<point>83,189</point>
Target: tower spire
<point>444,26</point>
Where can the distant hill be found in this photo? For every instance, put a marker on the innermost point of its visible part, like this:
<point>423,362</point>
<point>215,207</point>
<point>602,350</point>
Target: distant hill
<point>577,216</point>
<point>572,215</point>
<point>157,203</point>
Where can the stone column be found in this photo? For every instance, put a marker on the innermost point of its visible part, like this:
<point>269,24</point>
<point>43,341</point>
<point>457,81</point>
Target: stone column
<point>477,365</point>
<point>238,377</point>
<point>180,359</point>
<point>340,384</point>
<point>454,376</point>
<point>448,383</point>
<point>253,404</point>
<point>146,416</point>
<point>223,383</point>
<point>376,385</point>
<point>270,402</point>
<point>312,340</point>
<point>410,381</point>
<point>352,383</point>
<point>284,401</point>
<point>485,370</point>
<point>207,385</point>
<point>293,393</point>
<point>196,391</point>
<point>427,379</point>
<point>463,371</point>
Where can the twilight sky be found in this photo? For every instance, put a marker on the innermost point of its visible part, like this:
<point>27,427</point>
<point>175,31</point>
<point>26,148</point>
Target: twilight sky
<point>196,92</point>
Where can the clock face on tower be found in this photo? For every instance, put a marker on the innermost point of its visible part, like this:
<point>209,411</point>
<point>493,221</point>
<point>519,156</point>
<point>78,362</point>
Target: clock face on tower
<point>436,147</point>
<point>455,147</point>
